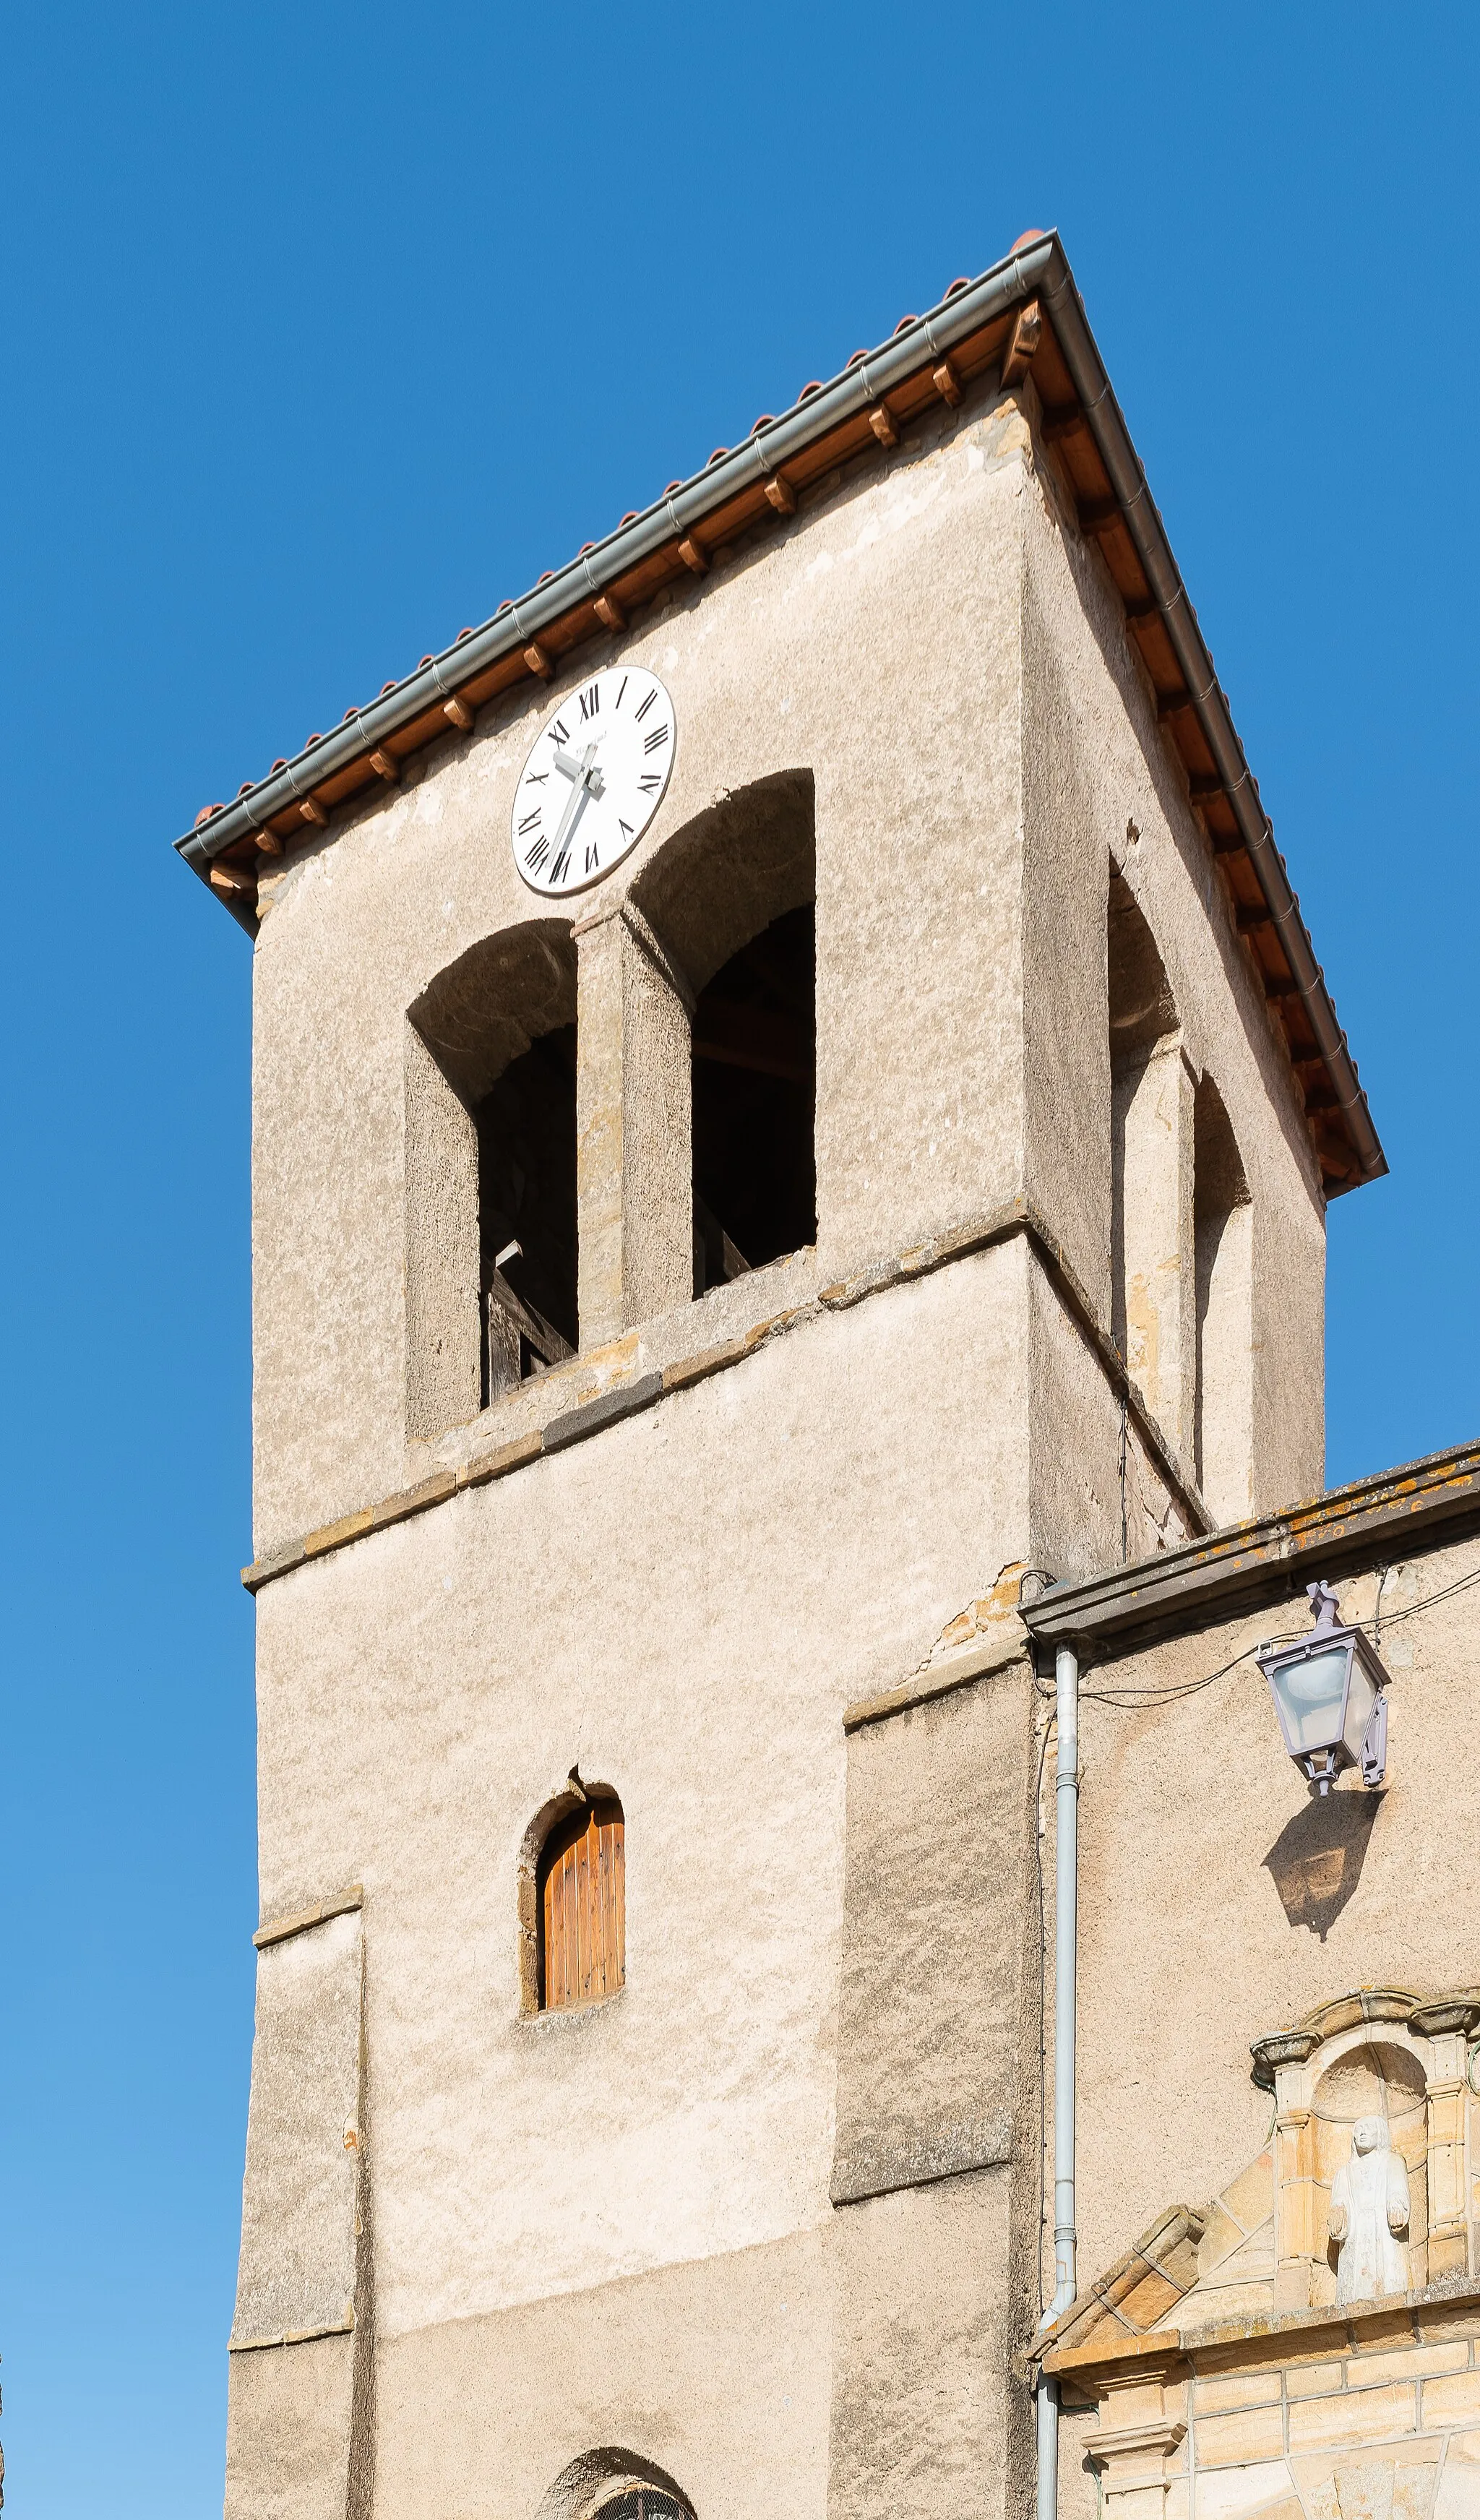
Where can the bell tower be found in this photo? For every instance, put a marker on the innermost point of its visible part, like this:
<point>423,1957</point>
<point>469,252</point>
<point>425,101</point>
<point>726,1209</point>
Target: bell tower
<point>700,1268</point>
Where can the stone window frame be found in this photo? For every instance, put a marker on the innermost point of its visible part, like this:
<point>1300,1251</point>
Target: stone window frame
<point>572,1797</point>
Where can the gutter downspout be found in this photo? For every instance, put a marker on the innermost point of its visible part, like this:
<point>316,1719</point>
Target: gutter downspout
<point>1065,2022</point>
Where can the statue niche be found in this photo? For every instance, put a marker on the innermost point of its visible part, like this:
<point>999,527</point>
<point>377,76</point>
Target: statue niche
<point>1368,2216</point>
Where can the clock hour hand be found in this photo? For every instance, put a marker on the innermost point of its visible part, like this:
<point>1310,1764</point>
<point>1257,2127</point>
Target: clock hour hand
<point>580,789</point>
<point>583,769</point>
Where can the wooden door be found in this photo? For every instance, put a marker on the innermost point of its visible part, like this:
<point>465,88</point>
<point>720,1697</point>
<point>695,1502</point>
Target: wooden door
<point>582,1907</point>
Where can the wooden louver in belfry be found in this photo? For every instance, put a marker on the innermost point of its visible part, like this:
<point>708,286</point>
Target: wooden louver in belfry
<point>582,1907</point>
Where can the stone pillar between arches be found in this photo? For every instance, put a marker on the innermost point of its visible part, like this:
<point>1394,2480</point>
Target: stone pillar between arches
<point>634,1104</point>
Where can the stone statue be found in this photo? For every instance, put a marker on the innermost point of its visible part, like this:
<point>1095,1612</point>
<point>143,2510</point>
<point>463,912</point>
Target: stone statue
<point>1370,2210</point>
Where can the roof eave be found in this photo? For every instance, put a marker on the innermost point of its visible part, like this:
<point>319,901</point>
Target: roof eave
<point>1040,269</point>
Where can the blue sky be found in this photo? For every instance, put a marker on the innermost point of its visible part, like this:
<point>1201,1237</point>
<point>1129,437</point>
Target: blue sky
<point>328,329</point>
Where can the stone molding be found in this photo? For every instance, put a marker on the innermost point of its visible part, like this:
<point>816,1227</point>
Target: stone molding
<point>343,1904</point>
<point>626,1397</point>
<point>980,2144</point>
<point>1299,2417</point>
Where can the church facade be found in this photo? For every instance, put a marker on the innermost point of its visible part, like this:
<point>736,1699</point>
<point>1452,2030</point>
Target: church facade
<point>793,1114</point>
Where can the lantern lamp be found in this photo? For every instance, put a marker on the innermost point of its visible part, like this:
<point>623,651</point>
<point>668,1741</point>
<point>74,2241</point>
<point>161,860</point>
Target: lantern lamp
<point>1328,1695</point>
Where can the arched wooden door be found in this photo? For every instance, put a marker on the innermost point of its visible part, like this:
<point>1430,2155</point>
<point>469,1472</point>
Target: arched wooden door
<point>583,1930</point>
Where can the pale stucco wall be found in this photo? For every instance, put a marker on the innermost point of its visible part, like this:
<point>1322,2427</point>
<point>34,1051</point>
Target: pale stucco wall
<point>685,1605</point>
<point>1220,1902</point>
<point>647,1604</point>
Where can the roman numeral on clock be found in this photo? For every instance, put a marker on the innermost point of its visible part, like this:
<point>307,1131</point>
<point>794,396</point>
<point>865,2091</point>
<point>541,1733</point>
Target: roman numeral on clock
<point>650,783</point>
<point>537,856</point>
<point>646,706</point>
<point>530,821</point>
<point>558,732</point>
<point>591,701</point>
<point>594,855</point>
<point>653,742</point>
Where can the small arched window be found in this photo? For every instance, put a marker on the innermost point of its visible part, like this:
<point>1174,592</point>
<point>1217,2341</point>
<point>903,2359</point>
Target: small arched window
<point>581,1884</point>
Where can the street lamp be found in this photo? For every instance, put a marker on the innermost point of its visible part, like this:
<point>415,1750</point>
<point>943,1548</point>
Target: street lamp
<point>1329,1696</point>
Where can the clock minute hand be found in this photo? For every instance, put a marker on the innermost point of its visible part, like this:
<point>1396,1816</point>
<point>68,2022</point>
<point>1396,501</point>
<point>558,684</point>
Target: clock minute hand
<point>579,792</point>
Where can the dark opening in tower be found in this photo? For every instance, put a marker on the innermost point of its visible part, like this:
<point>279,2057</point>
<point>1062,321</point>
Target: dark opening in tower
<point>526,1213</point>
<point>754,1101</point>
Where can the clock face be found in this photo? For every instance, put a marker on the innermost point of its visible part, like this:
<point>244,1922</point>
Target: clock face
<point>594,780</point>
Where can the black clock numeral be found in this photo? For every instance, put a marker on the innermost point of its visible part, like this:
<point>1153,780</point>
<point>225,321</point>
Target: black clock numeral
<point>530,821</point>
<point>556,733</point>
<point>593,855</point>
<point>656,740</point>
<point>557,871</point>
<point>618,702</point>
<point>537,855</point>
<point>650,783</point>
<point>591,701</point>
<point>646,706</point>
<point>626,828</point>
<point>535,778</point>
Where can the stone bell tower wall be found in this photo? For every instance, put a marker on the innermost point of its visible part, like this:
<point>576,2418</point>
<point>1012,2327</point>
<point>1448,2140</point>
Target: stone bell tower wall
<point>713,2169</point>
<point>1102,789</point>
<point>643,2194</point>
<point>876,648</point>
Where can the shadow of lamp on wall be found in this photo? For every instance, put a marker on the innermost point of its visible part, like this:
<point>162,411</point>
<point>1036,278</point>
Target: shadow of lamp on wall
<point>1316,1862</point>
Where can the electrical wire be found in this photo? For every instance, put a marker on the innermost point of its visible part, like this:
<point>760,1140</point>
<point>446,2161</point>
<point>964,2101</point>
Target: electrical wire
<point>1126,1697</point>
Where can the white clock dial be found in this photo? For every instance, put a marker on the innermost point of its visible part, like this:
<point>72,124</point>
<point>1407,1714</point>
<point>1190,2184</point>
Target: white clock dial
<point>594,780</point>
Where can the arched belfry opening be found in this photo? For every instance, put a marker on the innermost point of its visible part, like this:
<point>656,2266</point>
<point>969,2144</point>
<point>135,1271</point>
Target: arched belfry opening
<point>1224,1241</point>
<point>526,1212</point>
<point>754,1085</point>
<point>732,900</point>
<point>1150,1170</point>
<point>490,1174</point>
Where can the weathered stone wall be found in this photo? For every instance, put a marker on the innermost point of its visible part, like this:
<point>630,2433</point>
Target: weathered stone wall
<point>1099,787</point>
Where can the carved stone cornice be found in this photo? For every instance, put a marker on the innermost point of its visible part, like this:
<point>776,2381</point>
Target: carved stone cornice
<point>1125,2441</point>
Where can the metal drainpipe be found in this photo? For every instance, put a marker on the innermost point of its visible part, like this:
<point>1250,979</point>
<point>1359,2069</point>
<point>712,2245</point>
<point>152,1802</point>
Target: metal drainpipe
<point>1065,2011</point>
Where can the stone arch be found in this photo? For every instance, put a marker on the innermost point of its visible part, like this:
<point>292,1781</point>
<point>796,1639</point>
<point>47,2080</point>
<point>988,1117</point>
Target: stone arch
<point>1150,1170</point>
<point>725,876</point>
<point>470,1034</point>
<point>558,1809</point>
<point>1224,1259</point>
<point>730,900</point>
<point>1384,2051</point>
<point>590,2485</point>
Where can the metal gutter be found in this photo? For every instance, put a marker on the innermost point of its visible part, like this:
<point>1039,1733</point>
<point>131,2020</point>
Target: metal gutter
<point>1132,491</point>
<point>1420,1504</point>
<point>679,512</point>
